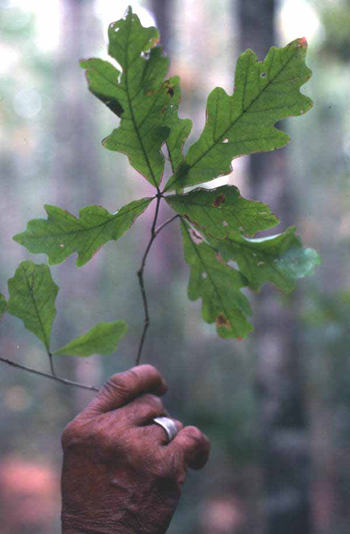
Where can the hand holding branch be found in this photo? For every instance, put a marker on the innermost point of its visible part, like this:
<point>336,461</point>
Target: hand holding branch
<point>120,472</point>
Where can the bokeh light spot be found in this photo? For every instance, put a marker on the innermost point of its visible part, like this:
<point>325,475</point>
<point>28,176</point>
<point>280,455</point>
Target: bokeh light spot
<point>27,103</point>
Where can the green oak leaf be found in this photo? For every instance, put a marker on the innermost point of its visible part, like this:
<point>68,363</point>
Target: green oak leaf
<point>217,211</point>
<point>218,285</point>
<point>103,80</point>
<point>139,96</point>
<point>179,128</point>
<point>280,259</point>
<point>32,299</point>
<point>101,339</point>
<point>62,234</point>
<point>3,306</point>
<point>243,123</point>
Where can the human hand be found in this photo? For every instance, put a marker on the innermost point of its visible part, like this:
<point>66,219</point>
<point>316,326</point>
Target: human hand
<point>120,475</point>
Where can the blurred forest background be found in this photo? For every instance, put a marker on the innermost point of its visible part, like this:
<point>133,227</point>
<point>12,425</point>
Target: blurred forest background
<point>276,406</point>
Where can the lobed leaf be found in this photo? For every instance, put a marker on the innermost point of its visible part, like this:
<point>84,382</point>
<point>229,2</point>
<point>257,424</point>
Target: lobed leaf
<point>101,339</point>
<point>218,285</point>
<point>139,96</point>
<point>103,79</point>
<point>32,299</point>
<point>280,259</point>
<point>243,123</point>
<point>3,306</point>
<point>217,211</point>
<point>179,128</point>
<point>62,234</point>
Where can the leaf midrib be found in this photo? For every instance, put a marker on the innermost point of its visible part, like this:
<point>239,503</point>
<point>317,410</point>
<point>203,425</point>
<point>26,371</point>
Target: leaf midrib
<point>211,280</point>
<point>126,72</point>
<point>85,229</point>
<point>46,342</point>
<point>216,141</point>
<point>269,259</point>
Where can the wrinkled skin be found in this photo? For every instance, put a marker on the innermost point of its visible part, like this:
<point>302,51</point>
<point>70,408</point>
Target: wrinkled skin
<point>120,475</point>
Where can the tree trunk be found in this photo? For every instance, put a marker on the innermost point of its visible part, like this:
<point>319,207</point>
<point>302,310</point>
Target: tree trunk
<point>279,388</point>
<point>161,10</point>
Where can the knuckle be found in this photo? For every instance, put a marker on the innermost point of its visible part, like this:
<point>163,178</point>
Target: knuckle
<point>116,381</point>
<point>147,367</point>
<point>179,424</point>
<point>73,434</point>
<point>153,401</point>
<point>172,467</point>
<point>118,385</point>
<point>194,433</point>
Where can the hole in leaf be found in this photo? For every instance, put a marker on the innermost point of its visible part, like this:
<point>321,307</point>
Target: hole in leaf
<point>196,238</point>
<point>233,264</point>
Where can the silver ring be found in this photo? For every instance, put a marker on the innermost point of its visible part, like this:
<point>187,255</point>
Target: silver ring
<point>169,426</point>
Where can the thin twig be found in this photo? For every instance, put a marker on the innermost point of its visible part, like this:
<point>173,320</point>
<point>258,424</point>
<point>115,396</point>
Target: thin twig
<point>166,222</point>
<point>142,284</point>
<point>35,372</point>
<point>65,381</point>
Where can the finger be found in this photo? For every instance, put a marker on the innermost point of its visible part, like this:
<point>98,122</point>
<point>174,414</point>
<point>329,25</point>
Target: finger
<point>157,434</point>
<point>193,445</point>
<point>122,388</point>
<point>142,410</point>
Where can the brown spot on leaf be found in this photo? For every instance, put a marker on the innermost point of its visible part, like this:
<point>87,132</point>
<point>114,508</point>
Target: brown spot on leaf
<point>170,91</point>
<point>220,258</point>
<point>219,200</point>
<point>302,42</point>
<point>222,321</point>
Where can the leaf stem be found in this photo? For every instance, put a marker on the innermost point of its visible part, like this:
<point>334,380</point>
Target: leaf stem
<point>154,233</point>
<point>167,222</point>
<point>35,372</point>
<point>51,364</point>
<point>142,283</point>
